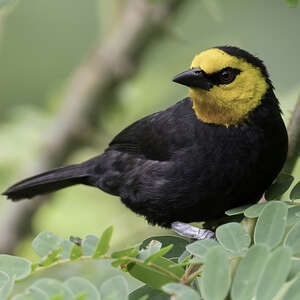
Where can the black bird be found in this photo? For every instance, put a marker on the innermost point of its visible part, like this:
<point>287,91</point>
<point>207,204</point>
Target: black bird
<point>220,148</point>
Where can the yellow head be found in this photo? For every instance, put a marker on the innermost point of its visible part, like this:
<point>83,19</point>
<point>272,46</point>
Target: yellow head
<point>226,84</point>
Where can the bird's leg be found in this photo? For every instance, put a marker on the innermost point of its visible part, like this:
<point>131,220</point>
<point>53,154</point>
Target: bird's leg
<point>192,232</point>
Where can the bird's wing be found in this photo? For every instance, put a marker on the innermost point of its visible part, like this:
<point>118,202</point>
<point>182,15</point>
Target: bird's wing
<point>157,135</point>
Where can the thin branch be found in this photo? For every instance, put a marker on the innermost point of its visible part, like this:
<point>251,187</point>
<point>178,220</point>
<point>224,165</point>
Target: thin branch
<point>111,64</point>
<point>294,139</point>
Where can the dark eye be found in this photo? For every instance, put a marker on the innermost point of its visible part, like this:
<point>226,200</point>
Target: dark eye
<point>224,76</point>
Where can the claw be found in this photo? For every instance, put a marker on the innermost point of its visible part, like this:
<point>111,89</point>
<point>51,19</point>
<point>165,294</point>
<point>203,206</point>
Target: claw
<point>192,232</point>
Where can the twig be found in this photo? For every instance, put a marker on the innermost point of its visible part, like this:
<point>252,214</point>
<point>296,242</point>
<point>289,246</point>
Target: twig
<point>111,64</point>
<point>294,139</point>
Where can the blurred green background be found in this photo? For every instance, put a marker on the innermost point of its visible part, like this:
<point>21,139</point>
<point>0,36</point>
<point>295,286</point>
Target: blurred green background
<point>42,42</point>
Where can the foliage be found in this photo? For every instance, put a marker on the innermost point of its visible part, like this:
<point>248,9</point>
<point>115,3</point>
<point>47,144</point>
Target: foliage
<point>239,264</point>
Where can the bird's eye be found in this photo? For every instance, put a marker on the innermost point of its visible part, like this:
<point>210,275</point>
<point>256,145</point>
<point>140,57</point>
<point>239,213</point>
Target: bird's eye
<point>224,76</point>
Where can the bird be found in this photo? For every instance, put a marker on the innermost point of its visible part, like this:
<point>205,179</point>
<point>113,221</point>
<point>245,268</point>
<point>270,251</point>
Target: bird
<point>219,148</point>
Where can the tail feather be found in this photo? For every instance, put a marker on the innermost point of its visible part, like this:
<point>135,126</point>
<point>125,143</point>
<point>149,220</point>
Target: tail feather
<point>48,182</point>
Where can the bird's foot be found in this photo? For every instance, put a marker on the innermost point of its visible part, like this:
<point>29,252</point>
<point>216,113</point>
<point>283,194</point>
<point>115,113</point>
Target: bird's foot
<point>192,232</point>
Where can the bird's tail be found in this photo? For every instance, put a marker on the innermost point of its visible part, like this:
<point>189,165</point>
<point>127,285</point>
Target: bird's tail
<point>50,181</point>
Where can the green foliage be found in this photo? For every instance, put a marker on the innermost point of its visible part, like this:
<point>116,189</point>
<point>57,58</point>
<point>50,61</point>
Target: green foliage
<point>239,264</point>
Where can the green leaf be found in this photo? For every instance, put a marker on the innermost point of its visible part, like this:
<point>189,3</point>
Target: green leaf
<point>33,293</point>
<point>154,277</point>
<point>6,285</point>
<point>178,242</point>
<point>152,248</point>
<point>115,288</point>
<point>279,187</point>
<point>15,266</point>
<point>131,252</point>
<point>233,237</point>
<point>152,293</point>
<point>46,242</point>
<point>181,292</point>
<point>81,296</point>
<point>216,273</point>
<point>255,210</point>
<point>184,257</point>
<point>53,287</point>
<point>293,215</point>
<point>292,239</point>
<point>279,263</point>
<point>89,245</point>
<point>270,226</point>
<point>79,286</point>
<point>293,291</point>
<point>295,192</point>
<point>149,275</point>
<point>76,252</point>
<point>237,211</point>
<point>292,3</point>
<point>200,248</point>
<point>103,244</point>
<point>158,254</point>
<point>248,273</point>
<point>51,258</point>
<point>66,247</point>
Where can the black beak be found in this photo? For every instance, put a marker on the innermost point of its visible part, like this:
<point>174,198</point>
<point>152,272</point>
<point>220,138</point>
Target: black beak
<point>193,78</point>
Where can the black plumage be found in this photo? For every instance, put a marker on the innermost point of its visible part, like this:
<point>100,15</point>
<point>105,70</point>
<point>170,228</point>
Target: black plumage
<point>170,166</point>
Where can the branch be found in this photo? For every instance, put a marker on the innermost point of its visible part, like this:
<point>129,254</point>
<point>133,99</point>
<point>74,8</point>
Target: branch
<point>111,64</point>
<point>294,139</point>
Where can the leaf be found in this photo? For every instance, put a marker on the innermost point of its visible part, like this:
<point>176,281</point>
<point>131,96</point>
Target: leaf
<point>154,277</point>
<point>293,216</point>
<point>51,258</point>
<point>237,210</point>
<point>79,286</point>
<point>151,292</point>
<point>279,263</point>
<point>178,242</point>
<point>200,248</point>
<point>292,3</point>
<point>181,292</point>
<point>255,210</point>
<point>216,273</point>
<point>292,239</point>
<point>6,285</point>
<point>53,287</point>
<point>89,245</point>
<point>131,252</point>
<point>295,192</point>
<point>103,244</point>
<point>76,252</point>
<point>270,226</point>
<point>66,247</point>
<point>149,275</point>
<point>46,242</point>
<point>233,237</point>
<point>293,291</point>
<point>158,254</point>
<point>33,293</point>
<point>184,257</point>
<point>279,187</point>
<point>248,273</point>
<point>152,248</point>
<point>115,288</point>
<point>15,266</point>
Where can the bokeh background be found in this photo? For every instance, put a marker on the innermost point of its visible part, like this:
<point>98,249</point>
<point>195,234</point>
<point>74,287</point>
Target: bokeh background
<point>43,43</point>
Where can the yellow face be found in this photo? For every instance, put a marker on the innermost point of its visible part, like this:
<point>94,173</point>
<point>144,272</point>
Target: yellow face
<point>227,104</point>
